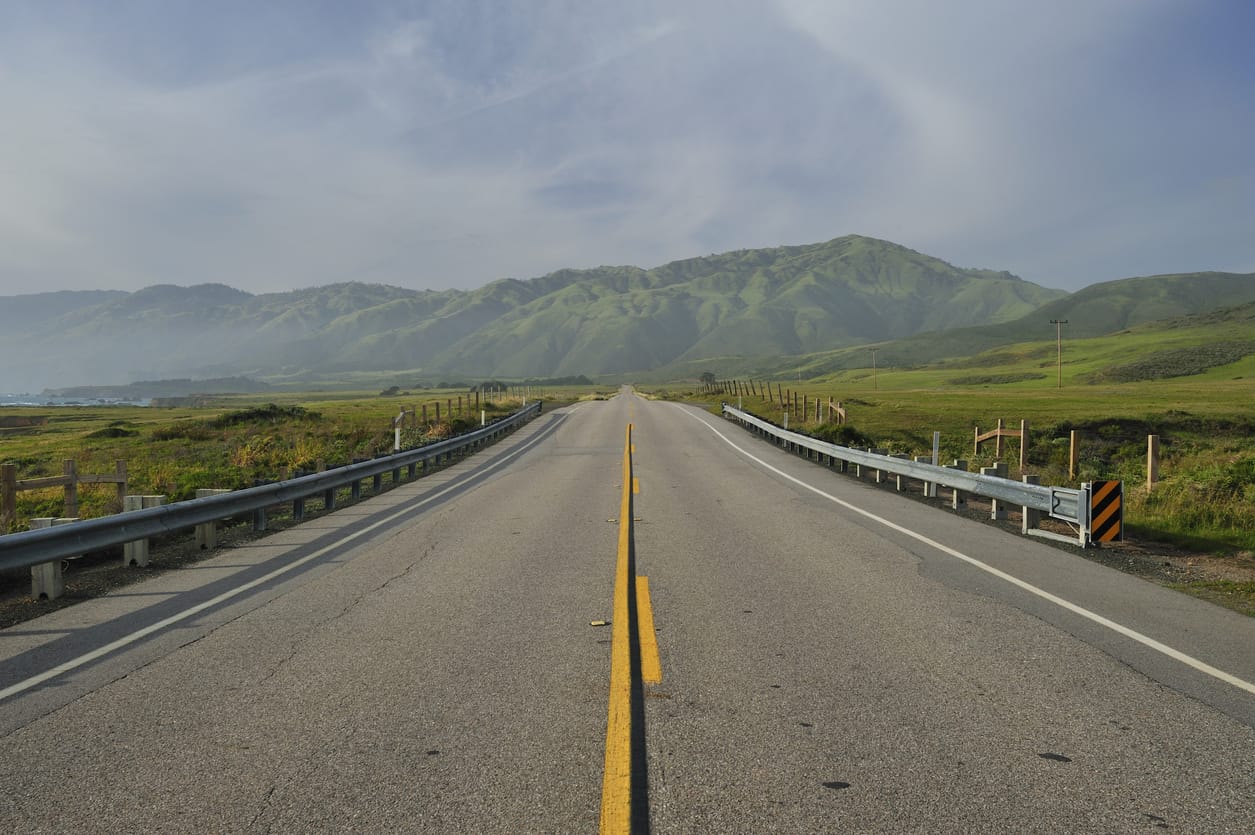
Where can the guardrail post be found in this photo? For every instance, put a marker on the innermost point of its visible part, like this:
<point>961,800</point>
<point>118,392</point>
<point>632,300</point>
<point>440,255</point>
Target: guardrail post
<point>376,484</point>
<point>136,553</point>
<point>957,497</point>
<point>997,510</point>
<point>47,579</point>
<point>355,489</point>
<point>1029,518</point>
<point>880,474</point>
<point>207,532</point>
<point>899,480</point>
<point>259,515</point>
<point>930,489</point>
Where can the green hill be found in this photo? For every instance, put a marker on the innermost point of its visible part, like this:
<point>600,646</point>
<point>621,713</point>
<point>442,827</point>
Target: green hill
<point>814,308</point>
<point>1097,310</point>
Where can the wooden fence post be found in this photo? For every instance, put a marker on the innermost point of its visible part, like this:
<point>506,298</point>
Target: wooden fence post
<point>1072,455</point>
<point>119,473</point>
<point>1023,446</point>
<point>1152,461</point>
<point>71,488</point>
<point>8,496</point>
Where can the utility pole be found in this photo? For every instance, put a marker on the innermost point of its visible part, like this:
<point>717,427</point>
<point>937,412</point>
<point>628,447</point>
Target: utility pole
<point>875,384</point>
<point>1059,323</point>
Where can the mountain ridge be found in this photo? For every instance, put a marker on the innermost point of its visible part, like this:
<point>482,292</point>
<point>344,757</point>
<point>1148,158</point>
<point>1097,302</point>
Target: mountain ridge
<point>790,300</point>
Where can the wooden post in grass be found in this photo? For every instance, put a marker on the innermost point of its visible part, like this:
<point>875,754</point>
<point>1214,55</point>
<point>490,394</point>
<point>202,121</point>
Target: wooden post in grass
<point>8,496</point>
<point>71,488</point>
<point>119,473</point>
<point>1152,461</point>
<point>1072,455</point>
<point>1023,446</point>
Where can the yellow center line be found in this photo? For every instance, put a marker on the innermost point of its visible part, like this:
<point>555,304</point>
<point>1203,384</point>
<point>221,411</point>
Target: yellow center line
<point>616,786</point>
<point>651,664</point>
<point>632,623</point>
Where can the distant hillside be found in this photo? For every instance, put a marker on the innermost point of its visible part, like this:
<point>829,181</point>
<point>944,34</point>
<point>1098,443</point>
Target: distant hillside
<point>783,301</point>
<point>1097,310</point>
<point>29,312</point>
<point>787,300</point>
<point>811,309</point>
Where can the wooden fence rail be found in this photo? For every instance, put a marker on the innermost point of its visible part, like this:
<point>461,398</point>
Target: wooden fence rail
<point>996,435</point>
<point>69,480</point>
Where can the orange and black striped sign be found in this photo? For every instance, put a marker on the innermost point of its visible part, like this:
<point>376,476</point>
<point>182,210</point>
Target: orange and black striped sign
<point>1106,511</point>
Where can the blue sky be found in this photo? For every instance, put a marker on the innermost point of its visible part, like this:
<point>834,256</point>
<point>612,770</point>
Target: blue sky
<point>276,145</point>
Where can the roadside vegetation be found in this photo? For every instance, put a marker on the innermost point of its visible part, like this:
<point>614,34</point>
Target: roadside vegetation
<point>235,442</point>
<point>1190,381</point>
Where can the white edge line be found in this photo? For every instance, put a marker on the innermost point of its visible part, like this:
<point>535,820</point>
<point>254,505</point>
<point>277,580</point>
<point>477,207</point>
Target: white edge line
<point>126,640</point>
<point>1177,655</point>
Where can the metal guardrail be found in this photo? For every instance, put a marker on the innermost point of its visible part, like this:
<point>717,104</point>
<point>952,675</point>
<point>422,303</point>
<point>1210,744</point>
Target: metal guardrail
<point>1067,504</point>
<point>30,548</point>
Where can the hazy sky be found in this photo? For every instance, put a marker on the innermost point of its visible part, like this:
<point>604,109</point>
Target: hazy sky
<point>273,145</point>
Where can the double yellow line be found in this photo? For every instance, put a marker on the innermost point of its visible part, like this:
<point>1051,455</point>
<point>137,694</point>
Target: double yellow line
<point>632,626</point>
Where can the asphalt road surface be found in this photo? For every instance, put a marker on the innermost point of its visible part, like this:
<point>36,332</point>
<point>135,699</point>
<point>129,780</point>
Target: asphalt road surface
<point>835,658</point>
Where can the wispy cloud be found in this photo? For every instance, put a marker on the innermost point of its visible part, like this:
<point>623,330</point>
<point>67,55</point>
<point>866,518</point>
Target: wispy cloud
<point>441,144</point>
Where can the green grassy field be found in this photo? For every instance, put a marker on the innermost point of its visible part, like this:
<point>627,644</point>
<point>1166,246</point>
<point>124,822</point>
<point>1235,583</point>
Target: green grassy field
<point>230,443</point>
<point>1191,382</point>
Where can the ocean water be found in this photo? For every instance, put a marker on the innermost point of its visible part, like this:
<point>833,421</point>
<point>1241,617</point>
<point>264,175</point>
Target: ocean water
<point>43,400</point>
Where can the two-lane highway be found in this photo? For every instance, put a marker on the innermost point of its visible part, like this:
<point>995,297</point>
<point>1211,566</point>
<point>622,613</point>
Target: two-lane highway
<point>834,658</point>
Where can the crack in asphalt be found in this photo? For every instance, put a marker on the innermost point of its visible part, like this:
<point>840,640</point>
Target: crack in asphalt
<point>348,607</point>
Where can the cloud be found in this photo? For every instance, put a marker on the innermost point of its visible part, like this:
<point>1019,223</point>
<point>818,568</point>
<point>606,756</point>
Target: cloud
<point>449,143</point>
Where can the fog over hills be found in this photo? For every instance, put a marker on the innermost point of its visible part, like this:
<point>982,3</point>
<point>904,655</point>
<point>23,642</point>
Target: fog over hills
<point>764,302</point>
